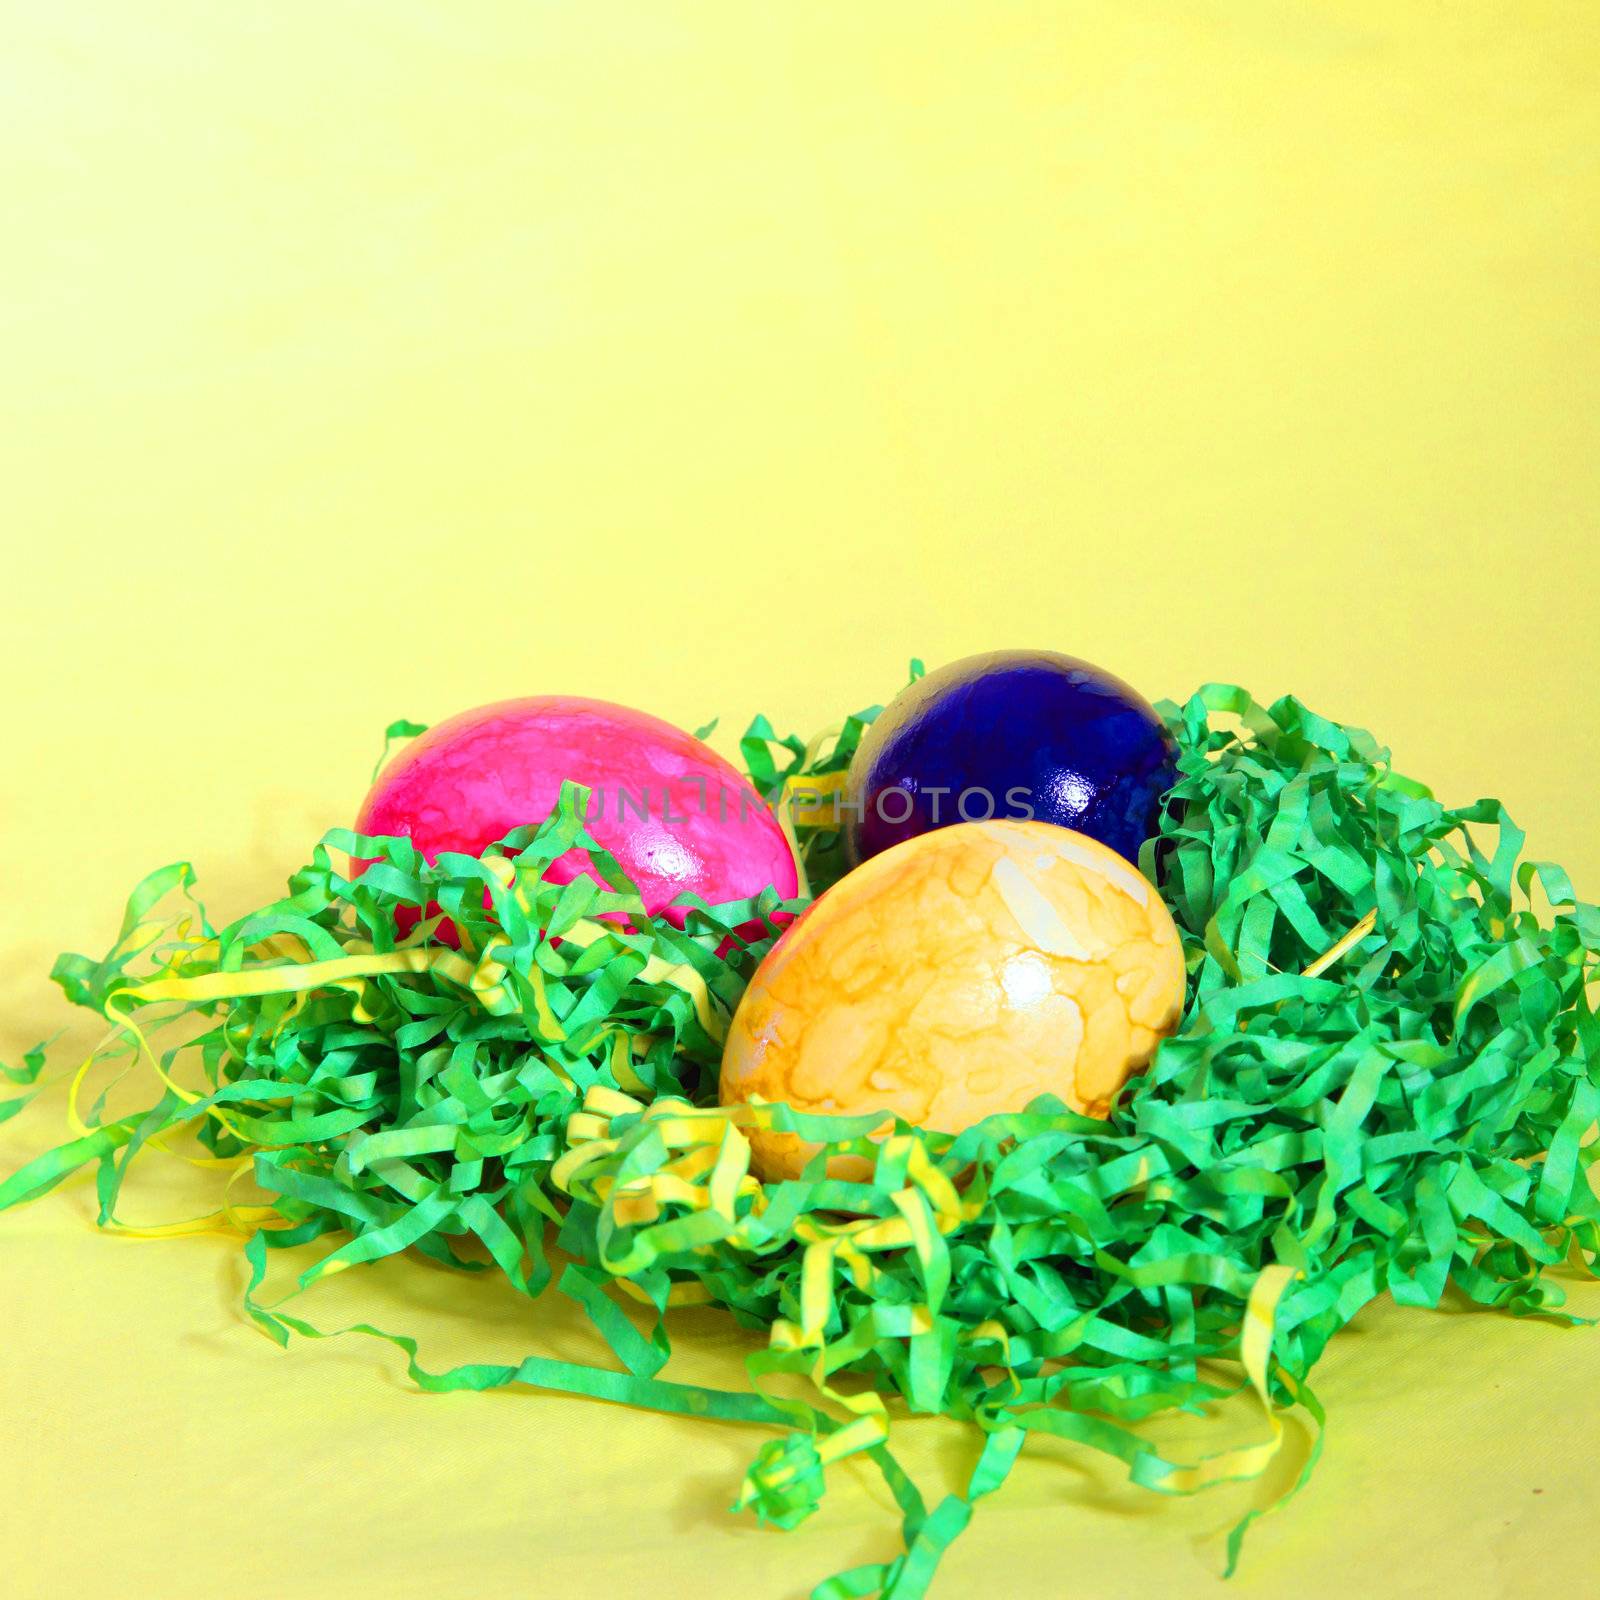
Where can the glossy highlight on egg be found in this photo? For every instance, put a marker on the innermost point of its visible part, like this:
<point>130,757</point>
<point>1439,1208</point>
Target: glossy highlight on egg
<point>961,973</point>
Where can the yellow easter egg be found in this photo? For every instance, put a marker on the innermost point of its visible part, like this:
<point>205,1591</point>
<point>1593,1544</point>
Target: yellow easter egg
<point>955,975</point>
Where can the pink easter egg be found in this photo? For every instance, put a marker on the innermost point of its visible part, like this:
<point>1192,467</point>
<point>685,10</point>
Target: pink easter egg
<point>675,815</point>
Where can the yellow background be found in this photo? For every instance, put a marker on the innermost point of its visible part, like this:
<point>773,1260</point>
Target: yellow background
<point>367,360</point>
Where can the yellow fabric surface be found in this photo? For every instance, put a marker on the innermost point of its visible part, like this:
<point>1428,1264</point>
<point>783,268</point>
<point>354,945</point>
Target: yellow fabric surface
<point>366,361</point>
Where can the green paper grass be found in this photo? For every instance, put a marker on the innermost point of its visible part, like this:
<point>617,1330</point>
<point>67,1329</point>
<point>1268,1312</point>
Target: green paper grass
<point>1385,1081</point>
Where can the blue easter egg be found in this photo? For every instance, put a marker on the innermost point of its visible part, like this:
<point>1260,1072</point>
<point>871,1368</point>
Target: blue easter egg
<point>1012,733</point>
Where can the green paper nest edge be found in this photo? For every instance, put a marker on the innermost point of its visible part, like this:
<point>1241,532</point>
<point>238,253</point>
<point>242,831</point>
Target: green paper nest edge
<point>1386,1080</point>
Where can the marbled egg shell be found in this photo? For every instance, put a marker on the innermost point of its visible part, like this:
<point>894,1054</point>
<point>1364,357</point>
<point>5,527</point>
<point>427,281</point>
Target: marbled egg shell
<point>956,975</point>
<point>675,814</point>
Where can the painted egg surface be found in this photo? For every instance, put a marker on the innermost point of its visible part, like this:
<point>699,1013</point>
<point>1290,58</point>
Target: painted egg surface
<point>959,974</point>
<point>1013,733</point>
<point>675,815</point>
